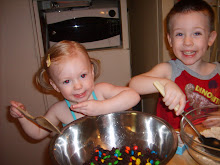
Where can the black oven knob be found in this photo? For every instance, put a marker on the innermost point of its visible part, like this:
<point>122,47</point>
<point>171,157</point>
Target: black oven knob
<point>54,33</point>
<point>112,13</point>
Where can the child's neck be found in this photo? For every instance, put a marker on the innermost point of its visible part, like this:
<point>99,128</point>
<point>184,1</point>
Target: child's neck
<point>202,67</point>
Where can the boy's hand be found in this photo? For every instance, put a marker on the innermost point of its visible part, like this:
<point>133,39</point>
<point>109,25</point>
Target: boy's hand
<point>211,122</point>
<point>90,107</point>
<point>174,97</point>
<point>13,110</point>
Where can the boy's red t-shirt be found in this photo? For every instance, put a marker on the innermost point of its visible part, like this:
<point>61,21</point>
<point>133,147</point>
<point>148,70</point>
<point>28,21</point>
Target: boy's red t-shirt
<point>200,91</point>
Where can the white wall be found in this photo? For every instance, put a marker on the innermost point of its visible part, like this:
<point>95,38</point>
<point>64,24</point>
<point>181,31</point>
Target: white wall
<point>18,62</point>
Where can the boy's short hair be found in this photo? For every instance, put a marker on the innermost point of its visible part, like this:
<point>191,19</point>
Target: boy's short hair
<point>185,6</point>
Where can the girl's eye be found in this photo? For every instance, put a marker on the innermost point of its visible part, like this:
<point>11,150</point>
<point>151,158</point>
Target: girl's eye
<point>83,75</point>
<point>66,81</point>
<point>179,34</point>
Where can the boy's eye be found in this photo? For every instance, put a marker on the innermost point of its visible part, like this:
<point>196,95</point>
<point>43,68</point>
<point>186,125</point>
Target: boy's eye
<point>197,33</point>
<point>66,81</point>
<point>83,75</point>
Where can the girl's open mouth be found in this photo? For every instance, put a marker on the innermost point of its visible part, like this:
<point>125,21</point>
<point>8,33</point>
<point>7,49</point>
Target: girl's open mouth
<point>81,95</point>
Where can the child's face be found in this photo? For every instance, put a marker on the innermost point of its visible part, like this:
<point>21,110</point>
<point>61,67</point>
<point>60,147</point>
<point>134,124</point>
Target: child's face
<point>73,77</point>
<point>190,37</point>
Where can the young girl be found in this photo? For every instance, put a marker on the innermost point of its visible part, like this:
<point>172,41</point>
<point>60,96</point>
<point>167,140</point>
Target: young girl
<point>71,72</point>
<point>190,31</point>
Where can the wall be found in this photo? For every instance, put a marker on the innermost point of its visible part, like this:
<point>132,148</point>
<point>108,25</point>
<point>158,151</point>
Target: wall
<point>115,65</point>
<point>18,62</point>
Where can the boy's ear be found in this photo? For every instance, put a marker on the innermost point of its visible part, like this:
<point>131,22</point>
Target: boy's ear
<point>212,37</point>
<point>169,40</point>
<point>53,85</point>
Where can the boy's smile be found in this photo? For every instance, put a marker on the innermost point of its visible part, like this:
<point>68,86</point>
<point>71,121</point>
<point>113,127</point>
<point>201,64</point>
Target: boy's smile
<point>189,53</point>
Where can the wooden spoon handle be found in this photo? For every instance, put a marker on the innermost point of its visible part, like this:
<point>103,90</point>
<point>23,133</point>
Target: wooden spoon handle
<point>25,113</point>
<point>160,88</point>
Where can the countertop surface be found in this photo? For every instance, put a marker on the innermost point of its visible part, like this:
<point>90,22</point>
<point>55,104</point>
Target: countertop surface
<point>184,159</point>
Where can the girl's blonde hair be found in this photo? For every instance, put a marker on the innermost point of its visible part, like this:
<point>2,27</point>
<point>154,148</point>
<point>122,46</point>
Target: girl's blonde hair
<point>58,51</point>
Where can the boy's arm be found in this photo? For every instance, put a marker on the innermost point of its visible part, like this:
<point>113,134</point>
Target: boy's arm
<point>143,84</point>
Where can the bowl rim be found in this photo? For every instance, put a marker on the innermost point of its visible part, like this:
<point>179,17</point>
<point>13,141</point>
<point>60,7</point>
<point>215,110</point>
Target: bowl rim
<point>191,139</point>
<point>121,112</point>
<point>175,137</point>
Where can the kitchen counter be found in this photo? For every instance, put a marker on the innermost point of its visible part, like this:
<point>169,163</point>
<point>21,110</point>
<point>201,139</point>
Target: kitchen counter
<point>184,159</point>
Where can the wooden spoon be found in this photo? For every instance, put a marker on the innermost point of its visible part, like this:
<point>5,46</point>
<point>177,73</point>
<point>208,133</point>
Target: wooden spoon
<point>213,142</point>
<point>40,120</point>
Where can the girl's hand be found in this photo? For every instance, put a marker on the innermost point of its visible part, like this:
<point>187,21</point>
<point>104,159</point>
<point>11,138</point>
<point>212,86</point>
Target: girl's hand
<point>13,110</point>
<point>174,97</point>
<point>89,108</point>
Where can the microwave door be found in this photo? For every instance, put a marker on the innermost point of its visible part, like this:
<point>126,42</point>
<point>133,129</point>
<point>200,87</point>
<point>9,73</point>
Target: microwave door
<point>84,29</point>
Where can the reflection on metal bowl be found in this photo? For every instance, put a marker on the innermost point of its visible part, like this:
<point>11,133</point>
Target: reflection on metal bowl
<point>78,139</point>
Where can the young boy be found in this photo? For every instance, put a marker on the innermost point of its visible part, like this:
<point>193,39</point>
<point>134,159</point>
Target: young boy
<point>190,32</point>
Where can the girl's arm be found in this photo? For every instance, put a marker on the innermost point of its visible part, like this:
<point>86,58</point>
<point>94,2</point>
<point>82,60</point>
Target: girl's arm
<point>30,128</point>
<point>110,99</point>
<point>143,84</point>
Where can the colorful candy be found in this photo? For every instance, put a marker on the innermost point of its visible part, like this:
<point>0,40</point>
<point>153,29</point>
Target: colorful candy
<point>125,156</point>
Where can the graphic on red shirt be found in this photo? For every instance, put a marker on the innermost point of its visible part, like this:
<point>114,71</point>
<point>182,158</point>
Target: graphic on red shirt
<point>196,100</point>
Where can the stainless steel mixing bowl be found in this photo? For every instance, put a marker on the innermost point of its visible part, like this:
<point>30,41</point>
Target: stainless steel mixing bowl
<point>203,154</point>
<point>78,139</point>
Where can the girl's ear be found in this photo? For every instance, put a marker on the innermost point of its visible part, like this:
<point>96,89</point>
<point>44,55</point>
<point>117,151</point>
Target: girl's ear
<point>93,70</point>
<point>53,85</point>
<point>169,40</point>
<point>212,37</point>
